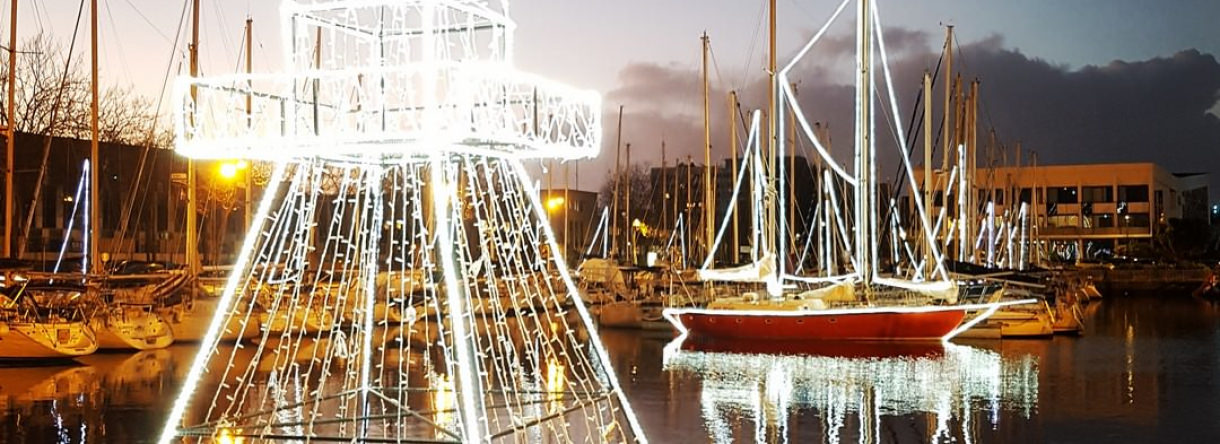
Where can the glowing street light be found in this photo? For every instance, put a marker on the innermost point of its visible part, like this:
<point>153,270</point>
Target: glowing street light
<point>555,203</point>
<point>229,170</point>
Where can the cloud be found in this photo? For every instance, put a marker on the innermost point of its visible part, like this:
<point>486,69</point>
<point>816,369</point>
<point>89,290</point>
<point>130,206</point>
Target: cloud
<point>1158,110</point>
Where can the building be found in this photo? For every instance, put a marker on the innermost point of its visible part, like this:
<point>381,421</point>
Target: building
<point>144,187</point>
<point>574,216</point>
<point>1089,210</point>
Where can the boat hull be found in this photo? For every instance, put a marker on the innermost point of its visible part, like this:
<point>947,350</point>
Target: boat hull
<point>49,340</point>
<point>631,315</point>
<point>134,330</point>
<point>1013,323</point>
<point>837,325</point>
<point>190,322</point>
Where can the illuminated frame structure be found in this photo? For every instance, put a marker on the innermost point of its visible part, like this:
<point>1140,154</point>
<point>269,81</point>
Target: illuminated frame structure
<point>399,268</point>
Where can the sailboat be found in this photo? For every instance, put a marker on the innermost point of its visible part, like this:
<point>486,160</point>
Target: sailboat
<point>859,304</point>
<point>30,329</point>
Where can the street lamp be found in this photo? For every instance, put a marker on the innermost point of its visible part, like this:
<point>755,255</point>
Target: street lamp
<point>554,203</point>
<point>229,170</point>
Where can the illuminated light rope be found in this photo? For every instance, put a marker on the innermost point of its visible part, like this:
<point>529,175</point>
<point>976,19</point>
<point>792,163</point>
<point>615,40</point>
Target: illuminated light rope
<point>787,98</point>
<point>404,259</point>
<point>597,234</point>
<point>906,160</point>
<point>76,203</point>
<point>751,151</point>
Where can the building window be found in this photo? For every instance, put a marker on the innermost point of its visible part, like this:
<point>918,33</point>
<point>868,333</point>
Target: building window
<point>1098,249</point>
<point>1063,221</point>
<point>1099,221</point>
<point>1064,195</point>
<point>1097,194</point>
<point>50,204</point>
<point>996,196</point>
<point>1134,220</point>
<point>1133,193</point>
<point>1025,196</point>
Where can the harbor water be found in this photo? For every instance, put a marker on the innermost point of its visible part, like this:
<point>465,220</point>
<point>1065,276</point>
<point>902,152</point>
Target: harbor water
<point>1147,370</point>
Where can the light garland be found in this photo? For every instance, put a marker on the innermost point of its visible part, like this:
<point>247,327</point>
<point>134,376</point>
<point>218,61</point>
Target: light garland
<point>399,247</point>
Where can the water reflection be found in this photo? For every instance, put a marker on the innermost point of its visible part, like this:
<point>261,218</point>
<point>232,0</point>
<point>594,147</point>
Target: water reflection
<point>89,400</point>
<point>1144,372</point>
<point>861,392</point>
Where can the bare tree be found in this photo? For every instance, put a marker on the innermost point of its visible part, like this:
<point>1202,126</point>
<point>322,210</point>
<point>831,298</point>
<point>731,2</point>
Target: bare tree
<point>48,102</point>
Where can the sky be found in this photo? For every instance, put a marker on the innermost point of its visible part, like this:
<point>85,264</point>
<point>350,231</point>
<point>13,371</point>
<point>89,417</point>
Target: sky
<point>1075,81</point>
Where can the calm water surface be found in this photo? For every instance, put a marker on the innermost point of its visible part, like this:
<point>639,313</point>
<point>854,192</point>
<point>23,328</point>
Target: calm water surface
<point>1147,370</point>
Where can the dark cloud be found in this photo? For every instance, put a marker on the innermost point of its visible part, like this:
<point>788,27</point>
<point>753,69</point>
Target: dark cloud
<point>1157,110</point>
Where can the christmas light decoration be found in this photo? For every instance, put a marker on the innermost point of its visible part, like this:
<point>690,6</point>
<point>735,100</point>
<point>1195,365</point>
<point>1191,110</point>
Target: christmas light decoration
<point>400,265</point>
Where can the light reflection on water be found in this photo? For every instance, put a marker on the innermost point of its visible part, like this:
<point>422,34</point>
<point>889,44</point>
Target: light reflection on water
<point>1146,371</point>
<point>111,397</point>
<point>854,387</point>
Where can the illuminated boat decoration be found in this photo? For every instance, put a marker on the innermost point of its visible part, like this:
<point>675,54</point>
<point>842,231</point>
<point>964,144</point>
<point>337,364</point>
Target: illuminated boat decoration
<point>843,301</point>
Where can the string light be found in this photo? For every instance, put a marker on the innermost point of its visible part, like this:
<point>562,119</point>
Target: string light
<point>399,237</point>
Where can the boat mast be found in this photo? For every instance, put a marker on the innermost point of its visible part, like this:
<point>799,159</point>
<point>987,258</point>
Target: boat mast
<point>709,199</point>
<point>10,144</point>
<point>567,202</point>
<point>772,206</point>
<point>664,190</point>
<point>944,126</point>
<point>95,263</point>
<point>192,251</point>
<point>687,212</point>
<point>618,182</point>
<point>249,119</point>
<point>790,238</point>
<point>627,203</point>
<point>927,171</point>
<point>972,149</point>
<point>733,173</point>
<point>963,187</point>
<point>865,205</point>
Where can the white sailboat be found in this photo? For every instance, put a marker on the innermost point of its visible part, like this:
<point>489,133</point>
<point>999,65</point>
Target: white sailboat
<point>30,330</point>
